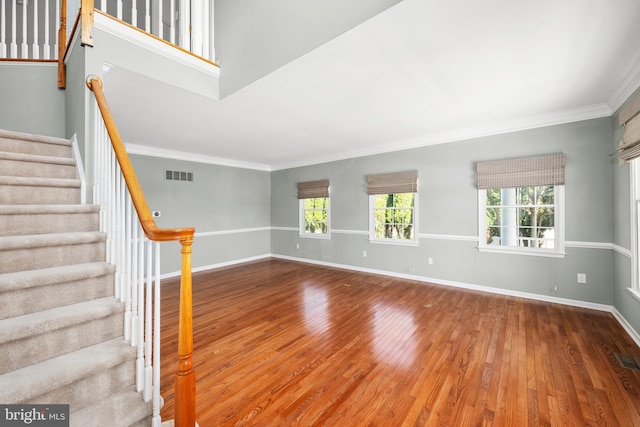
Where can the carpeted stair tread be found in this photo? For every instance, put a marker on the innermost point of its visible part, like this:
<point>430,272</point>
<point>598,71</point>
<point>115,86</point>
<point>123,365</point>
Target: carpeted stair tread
<point>46,321</point>
<point>49,276</point>
<point>36,158</point>
<point>32,381</point>
<point>23,181</point>
<point>127,405</point>
<point>9,134</point>
<point>46,240</point>
<point>47,209</point>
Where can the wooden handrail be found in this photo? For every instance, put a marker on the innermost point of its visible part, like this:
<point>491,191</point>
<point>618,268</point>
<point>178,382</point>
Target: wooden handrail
<point>185,385</point>
<point>62,45</point>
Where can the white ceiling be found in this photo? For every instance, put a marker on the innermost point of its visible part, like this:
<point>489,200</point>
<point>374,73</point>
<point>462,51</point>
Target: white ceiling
<point>420,73</point>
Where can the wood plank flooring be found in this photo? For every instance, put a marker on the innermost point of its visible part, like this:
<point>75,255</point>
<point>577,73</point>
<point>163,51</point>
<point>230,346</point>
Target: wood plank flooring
<point>280,343</point>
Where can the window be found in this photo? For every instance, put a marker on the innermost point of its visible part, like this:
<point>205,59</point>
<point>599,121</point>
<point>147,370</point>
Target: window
<point>393,207</point>
<point>526,219</point>
<point>314,208</point>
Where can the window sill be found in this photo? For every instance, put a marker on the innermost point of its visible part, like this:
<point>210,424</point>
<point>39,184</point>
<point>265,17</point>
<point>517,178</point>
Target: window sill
<point>394,242</point>
<point>316,236</point>
<point>635,293</point>
<point>526,252</point>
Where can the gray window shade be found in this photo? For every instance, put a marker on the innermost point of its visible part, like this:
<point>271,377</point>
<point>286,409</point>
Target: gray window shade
<point>521,172</point>
<point>393,183</point>
<point>313,189</point>
<point>630,118</point>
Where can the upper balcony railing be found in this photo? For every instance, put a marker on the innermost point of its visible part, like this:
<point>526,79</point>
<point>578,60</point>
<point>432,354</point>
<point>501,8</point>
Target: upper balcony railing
<point>29,29</point>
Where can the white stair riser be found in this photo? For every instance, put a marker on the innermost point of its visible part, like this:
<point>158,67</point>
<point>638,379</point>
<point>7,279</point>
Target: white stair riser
<point>29,147</point>
<point>17,225</point>
<point>36,169</point>
<point>28,195</point>
<point>36,348</point>
<point>51,256</point>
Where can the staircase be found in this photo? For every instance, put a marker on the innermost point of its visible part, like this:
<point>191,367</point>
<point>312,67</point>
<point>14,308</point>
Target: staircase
<point>61,329</point>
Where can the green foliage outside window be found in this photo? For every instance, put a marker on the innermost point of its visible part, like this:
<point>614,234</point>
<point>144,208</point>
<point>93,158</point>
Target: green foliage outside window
<point>530,215</point>
<point>316,215</point>
<point>394,216</point>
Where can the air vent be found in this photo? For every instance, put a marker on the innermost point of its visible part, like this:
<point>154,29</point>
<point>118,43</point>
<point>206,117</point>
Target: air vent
<point>627,362</point>
<point>178,176</point>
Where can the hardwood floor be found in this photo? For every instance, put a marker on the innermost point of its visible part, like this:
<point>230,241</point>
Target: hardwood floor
<point>279,343</point>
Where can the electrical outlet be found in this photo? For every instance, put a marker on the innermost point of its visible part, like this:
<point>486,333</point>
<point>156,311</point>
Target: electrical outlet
<point>297,245</point>
<point>430,261</point>
<point>364,254</point>
<point>582,278</point>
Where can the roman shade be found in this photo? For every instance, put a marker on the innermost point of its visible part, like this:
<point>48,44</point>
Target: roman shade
<point>313,189</point>
<point>393,183</point>
<point>521,172</point>
<point>629,117</point>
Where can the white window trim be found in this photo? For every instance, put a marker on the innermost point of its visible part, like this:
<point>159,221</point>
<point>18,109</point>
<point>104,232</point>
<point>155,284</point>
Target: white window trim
<point>634,191</point>
<point>557,252</point>
<point>301,230</point>
<point>403,242</point>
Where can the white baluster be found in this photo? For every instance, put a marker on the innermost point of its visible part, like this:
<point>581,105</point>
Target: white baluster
<point>57,25</point>
<point>148,372</point>
<point>35,48</point>
<point>134,13</point>
<point>140,324</point>
<point>24,48</point>
<point>184,16</point>
<point>172,22</point>
<point>103,5</point>
<point>13,46</point>
<point>127,269</point>
<point>3,29</point>
<point>206,31</point>
<point>122,238</point>
<point>134,277</point>
<point>160,23</point>
<point>156,342</point>
<point>147,17</point>
<point>46,49</point>
<point>119,9</point>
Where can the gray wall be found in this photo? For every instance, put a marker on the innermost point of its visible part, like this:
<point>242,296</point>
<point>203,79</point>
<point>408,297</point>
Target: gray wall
<point>31,101</point>
<point>448,214</point>
<point>229,208</point>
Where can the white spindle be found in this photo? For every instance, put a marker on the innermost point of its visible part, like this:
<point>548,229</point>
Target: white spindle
<point>184,16</point>
<point>103,5</point>
<point>160,23</point>
<point>119,9</point>
<point>140,322</point>
<point>134,14</point>
<point>148,378</point>
<point>46,49</point>
<point>172,22</point>
<point>147,17</point>
<point>57,25</point>
<point>206,31</point>
<point>3,29</point>
<point>134,278</point>
<point>13,46</point>
<point>35,48</point>
<point>24,48</point>
<point>127,269</point>
<point>156,341</point>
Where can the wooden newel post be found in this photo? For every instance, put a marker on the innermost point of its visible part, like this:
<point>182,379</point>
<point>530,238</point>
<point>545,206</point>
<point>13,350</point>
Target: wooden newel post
<point>185,392</point>
<point>62,46</point>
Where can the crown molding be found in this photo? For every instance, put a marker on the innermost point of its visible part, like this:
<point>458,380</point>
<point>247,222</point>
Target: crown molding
<point>629,85</point>
<point>145,150</point>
